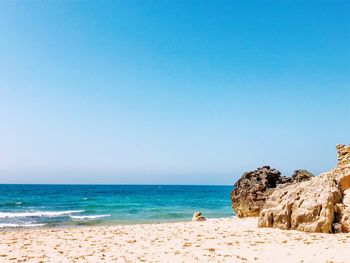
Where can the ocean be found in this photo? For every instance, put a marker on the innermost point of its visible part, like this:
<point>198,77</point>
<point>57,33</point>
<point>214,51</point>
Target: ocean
<point>74,205</point>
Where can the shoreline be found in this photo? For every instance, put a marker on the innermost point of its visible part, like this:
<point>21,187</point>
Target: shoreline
<point>216,240</point>
<point>109,223</point>
<point>104,224</point>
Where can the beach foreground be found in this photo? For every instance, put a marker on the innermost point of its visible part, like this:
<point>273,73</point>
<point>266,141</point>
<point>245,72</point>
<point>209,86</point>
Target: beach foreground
<point>217,240</point>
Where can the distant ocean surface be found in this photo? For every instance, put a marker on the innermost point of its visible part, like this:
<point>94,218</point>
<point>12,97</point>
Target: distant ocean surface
<point>69,205</point>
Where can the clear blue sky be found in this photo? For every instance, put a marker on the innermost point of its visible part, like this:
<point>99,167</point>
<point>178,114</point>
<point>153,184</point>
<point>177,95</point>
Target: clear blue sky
<point>191,92</point>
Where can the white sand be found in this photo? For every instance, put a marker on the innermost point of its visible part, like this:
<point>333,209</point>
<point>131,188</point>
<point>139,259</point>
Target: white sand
<point>221,240</point>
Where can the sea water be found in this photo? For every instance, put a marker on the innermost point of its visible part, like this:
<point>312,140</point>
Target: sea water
<point>57,205</point>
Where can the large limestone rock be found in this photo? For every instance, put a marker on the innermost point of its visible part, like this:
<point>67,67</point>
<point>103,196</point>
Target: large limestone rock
<point>342,210</point>
<point>321,204</point>
<point>342,213</point>
<point>252,189</point>
<point>303,206</point>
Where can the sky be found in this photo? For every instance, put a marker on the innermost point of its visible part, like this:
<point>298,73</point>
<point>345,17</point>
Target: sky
<point>171,92</point>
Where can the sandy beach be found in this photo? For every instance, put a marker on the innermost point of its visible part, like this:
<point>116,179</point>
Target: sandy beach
<point>216,240</point>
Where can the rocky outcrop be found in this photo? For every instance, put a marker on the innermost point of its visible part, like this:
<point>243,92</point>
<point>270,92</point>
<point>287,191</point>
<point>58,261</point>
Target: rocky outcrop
<point>342,210</point>
<point>343,157</point>
<point>252,189</point>
<point>198,217</point>
<point>342,213</point>
<point>301,175</point>
<point>303,206</point>
<point>321,204</point>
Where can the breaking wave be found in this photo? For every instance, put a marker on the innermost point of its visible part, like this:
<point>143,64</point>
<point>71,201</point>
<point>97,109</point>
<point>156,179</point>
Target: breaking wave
<point>38,214</point>
<point>94,217</point>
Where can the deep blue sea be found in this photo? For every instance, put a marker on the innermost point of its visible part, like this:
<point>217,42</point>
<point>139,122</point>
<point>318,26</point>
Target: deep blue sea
<point>57,205</point>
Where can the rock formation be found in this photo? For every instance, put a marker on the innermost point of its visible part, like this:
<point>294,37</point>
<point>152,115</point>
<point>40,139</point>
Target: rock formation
<point>252,189</point>
<point>342,210</point>
<point>321,204</point>
<point>198,217</point>
<point>301,175</point>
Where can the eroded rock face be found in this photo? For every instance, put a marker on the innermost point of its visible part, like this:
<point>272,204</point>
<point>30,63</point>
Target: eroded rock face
<point>303,206</point>
<point>252,189</point>
<point>342,213</point>
<point>321,204</point>
<point>342,210</point>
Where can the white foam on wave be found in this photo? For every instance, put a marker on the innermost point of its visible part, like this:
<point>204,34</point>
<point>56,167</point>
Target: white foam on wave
<point>88,217</point>
<point>221,218</point>
<point>38,213</point>
<point>20,225</point>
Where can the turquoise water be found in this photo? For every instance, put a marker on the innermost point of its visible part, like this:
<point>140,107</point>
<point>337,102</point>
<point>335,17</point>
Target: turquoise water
<point>55,205</point>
